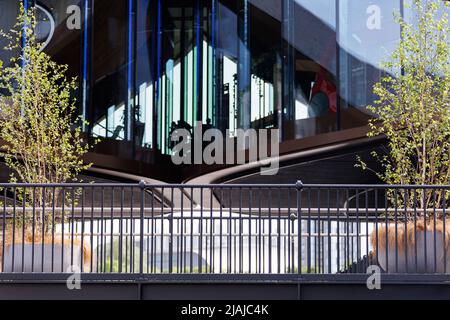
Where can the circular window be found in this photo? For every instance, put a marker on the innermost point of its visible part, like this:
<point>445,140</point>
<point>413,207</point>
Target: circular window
<point>45,25</point>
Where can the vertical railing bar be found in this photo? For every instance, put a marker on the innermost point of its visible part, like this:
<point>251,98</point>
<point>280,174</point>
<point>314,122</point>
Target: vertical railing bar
<point>72,225</point>
<point>279,233</point>
<point>415,228</point>
<point>76,229</point>
<point>132,230</point>
<point>171,232</point>
<point>236,237</point>
<point>105,233</point>
<point>141,227</point>
<point>82,228</point>
<point>367,230</point>
<point>229,232</point>
<point>33,231</point>
<point>322,236</point>
<point>24,221</point>
<point>318,228</point>
<point>241,238</point>
<point>250,215</point>
<point>338,230</point>
<point>358,233</point>
<point>299,188</point>
<point>425,229</point>
<point>53,227</point>
<point>347,229</point>
<point>200,239</point>
<point>176,239</point>
<point>261,224</point>
<point>406,201</point>
<point>102,219</point>
<point>204,211</point>
<point>444,244</point>
<point>111,250</point>
<point>386,228</point>
<point>14,231</point>
<point>376,226</point>
<point>309,233</point>
<point>182,268</point>
<point>329,230</point>
<point>290,246</point>
<point>92,233</point>
<point>434,229</point>
<point>212,238</point>
<point>127,236</point>
<point>396,228</point>
<point>148,245</point>
<point>43,230</point>
<point>286,225</point>
<point>152,235</point>
<point>284,243</point>
<point>221,229</point>
<point>184,233</point>
<point>191,248</point>
<point>270,229</point>
<point>353,238</point>
<point>4,229</point>
<point>321,231</point>
<point>120,249</point>
<point>161,231</point>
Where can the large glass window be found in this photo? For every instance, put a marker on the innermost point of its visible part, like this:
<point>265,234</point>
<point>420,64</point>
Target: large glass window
<point>110,107</point>
<point>62,40</point>
<point>310,104</point>
<point>175,69</point>
<point>214,62</point>
<point>367,33</point>
<point>227,65</point>
<point>249,78</point>
<point>145,57</point>
<point>266,63</point>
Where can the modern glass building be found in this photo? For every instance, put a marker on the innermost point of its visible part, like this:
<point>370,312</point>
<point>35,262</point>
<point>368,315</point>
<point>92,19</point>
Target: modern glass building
<point>147,67</point>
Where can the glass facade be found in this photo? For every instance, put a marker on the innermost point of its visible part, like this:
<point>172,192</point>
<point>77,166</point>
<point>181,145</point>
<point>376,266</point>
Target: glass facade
<point>310,77</point>
<point>364,41</point>
<point>147,67</point>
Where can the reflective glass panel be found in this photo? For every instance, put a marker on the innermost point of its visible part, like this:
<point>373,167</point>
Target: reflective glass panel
<point>310,104</point>
<point>367,34</point>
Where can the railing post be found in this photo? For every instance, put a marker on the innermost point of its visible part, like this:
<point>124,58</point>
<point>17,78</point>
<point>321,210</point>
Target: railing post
<point>299,187</point>
<point>142,186</point>
<point>171,235</point>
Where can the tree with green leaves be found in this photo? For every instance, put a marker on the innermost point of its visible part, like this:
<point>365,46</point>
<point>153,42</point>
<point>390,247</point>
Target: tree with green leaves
<point>413,106</point>
<point>39,126</point>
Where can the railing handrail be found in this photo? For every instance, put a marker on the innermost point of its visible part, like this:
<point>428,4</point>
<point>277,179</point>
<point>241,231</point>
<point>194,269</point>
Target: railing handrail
<point>222,185</point>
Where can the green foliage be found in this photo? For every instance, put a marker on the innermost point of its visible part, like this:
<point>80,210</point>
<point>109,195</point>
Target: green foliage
<point>39,126</point>
<point>413,108</point>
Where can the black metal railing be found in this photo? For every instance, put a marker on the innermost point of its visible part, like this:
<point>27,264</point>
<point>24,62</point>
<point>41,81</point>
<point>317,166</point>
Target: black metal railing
<point>223,229</point>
